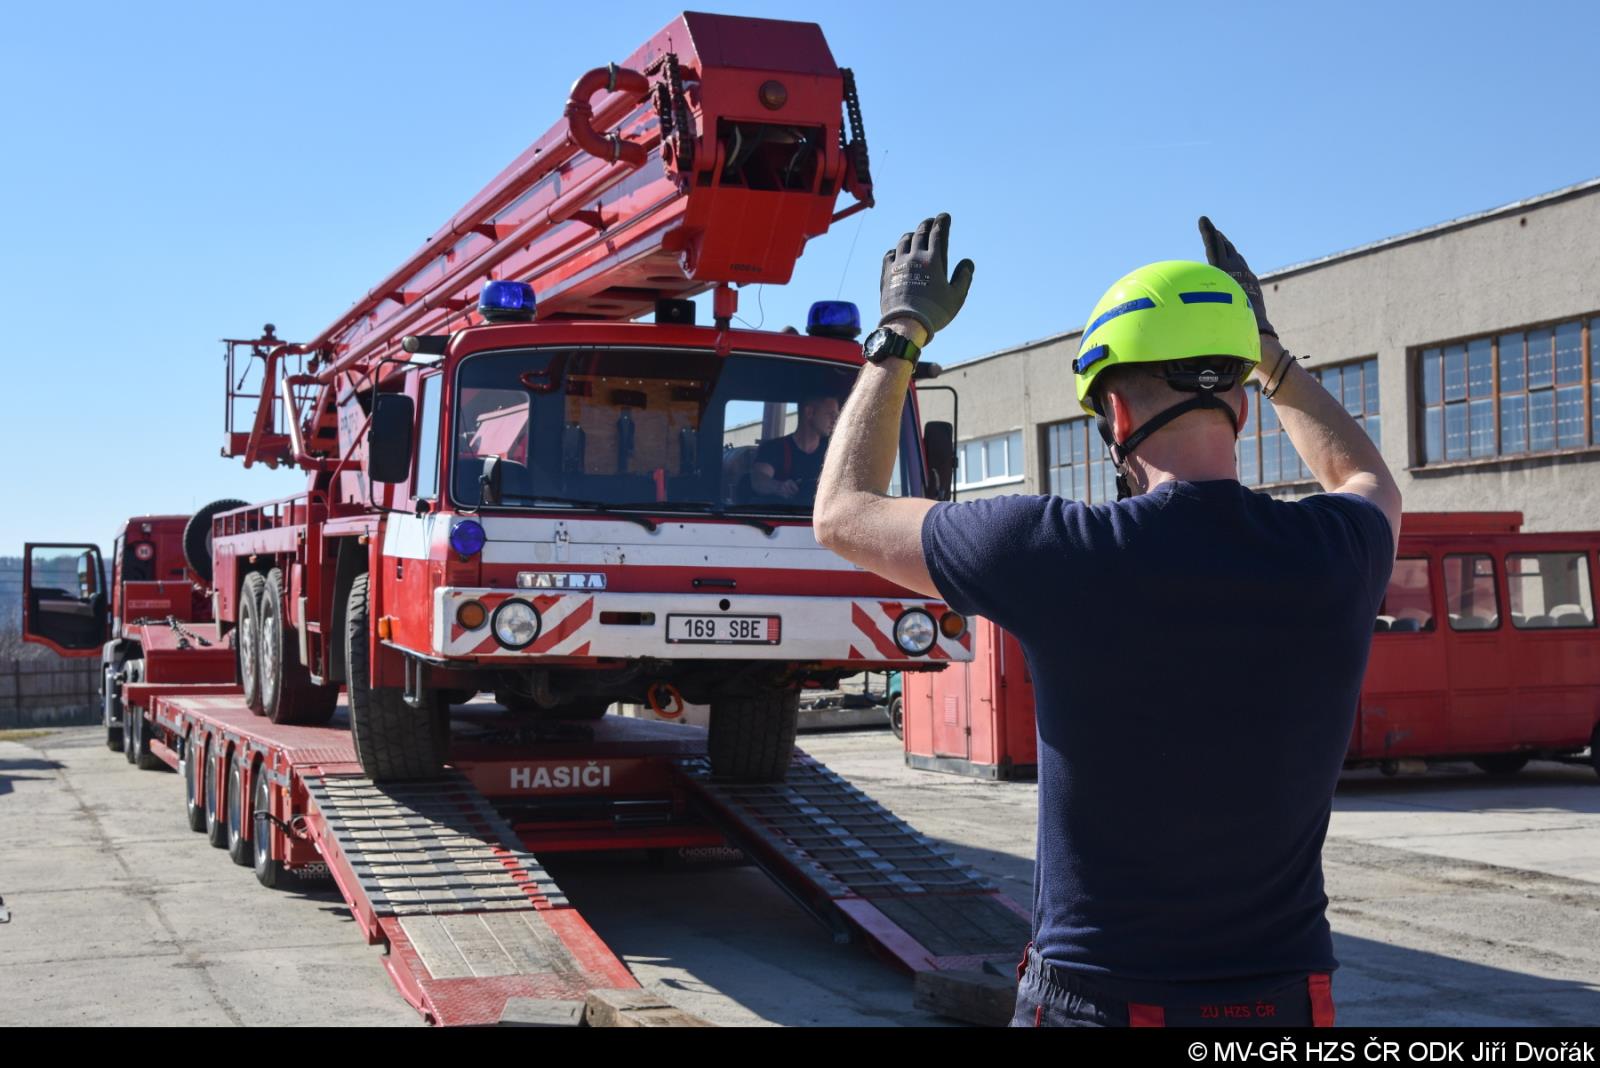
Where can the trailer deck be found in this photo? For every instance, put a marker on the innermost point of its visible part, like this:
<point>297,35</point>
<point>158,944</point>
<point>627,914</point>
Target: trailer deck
<point>445,874</point>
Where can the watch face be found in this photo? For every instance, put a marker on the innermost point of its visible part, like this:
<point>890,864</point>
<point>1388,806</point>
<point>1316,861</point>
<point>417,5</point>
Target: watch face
<point>874,346</point>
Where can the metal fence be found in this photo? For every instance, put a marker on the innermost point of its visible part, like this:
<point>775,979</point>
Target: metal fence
<point>35,692</point>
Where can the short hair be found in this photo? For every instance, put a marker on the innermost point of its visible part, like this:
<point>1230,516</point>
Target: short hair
<point>813,398</point>
<point>1142,386</point>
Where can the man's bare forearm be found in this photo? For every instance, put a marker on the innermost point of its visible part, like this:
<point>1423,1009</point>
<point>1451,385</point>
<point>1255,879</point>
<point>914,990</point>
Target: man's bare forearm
<point>866,439</point>
<point>1333,445</point>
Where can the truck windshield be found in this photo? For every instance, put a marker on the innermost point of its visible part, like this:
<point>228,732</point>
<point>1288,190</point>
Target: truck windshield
<point>655,429</point>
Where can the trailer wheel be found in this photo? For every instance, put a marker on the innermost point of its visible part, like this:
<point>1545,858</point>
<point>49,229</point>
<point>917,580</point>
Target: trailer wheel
<point>269,873</point>
<point>191,769</point>
<point>239,850</point>
<point>1502,763</point>
<point>394,741</point>
<point>197,536</point>
<point>752,737</point>
<point>247,647</point>
<point>897,716</point>
<point>216,821</point>
<point>287,692</point>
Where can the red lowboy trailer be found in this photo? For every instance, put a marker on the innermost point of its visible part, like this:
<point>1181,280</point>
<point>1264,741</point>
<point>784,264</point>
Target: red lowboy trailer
<point>512,488</point>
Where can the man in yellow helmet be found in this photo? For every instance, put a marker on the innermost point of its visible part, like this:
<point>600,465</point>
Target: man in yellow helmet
<point>1197,649</point>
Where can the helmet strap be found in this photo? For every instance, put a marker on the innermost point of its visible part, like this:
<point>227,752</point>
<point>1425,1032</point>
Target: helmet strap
<point>1121,451</point>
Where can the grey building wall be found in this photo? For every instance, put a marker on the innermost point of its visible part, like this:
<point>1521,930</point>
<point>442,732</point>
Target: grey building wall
<point>1522,265</point>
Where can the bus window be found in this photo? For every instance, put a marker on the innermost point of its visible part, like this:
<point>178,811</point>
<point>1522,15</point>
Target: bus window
<point>1550,590</point>
<point>1469,594</point>
<point>1408,603</point>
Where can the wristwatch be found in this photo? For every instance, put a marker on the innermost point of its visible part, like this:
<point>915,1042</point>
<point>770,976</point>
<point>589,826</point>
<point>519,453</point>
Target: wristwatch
<point>884,343</point>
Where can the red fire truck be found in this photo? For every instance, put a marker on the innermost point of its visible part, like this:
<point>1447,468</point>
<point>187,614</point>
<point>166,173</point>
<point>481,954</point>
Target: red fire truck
<point>513,487</point>
<point>1485,649</point>
<point>155,602</point>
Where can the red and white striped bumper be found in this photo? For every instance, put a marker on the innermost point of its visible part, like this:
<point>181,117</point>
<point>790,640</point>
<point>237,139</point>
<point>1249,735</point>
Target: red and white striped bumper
<point>812,628</point>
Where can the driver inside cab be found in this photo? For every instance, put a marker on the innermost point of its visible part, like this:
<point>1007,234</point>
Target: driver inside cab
<point>790,466</point>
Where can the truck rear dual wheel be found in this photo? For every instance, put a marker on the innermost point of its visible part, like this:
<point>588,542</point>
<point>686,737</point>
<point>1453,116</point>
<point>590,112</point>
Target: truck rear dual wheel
<point>751,738</point>
<point>247,647</point>
<point>394,741</point>
<point>287,692</point>
<point>135,728</point>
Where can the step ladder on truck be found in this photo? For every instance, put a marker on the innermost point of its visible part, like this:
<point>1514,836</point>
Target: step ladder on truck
<point>515,490</point>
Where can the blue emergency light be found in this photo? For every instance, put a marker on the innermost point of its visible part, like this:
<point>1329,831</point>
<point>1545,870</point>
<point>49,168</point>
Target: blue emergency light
<point>834,318</point>
<point>506,302</point>
<point>468,537</point>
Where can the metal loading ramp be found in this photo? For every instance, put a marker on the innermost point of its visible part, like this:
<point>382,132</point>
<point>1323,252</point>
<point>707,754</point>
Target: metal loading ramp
<point>477,930</point>
<point>861,870</point>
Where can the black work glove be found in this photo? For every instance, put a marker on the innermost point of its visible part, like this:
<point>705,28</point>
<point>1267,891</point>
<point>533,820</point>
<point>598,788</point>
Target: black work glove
<point>914,282</point>
<point>1221,254</point>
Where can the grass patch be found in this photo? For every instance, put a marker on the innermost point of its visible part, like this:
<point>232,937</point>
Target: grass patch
<point>20,735</point>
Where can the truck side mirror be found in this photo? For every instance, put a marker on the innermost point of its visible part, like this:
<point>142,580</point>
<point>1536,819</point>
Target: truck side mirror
<point>491,480</point>
<point>394,416</point>
<point>939,449</point>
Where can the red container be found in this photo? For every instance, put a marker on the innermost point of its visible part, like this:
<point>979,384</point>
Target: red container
<point>977,718</point>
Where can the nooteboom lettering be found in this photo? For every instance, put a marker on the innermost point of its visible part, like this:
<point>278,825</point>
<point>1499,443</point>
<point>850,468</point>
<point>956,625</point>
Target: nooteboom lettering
<point>590,776</point>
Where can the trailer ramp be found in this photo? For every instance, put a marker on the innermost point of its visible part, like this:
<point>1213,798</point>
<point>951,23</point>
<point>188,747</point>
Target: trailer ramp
<point>477,931</point>
<point>861,870</point>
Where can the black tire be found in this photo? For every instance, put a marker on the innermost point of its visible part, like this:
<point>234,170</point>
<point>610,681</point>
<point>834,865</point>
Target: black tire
<point>1594,749</point>
<point>216,820</point>
<point>135,728</point>
<point>287,693</point>
<point>394,742</point>
<point>270,873</point>
<point>239,850</point>
<point>197,536</point>
<point>191,769</point>
<point>751,739</point>
<point>247,640</point>
<point>1502,763</point>
<point>897,716</point>
<point>111,704</point>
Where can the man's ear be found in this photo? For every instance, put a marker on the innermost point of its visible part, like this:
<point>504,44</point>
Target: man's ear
<point>1121,415</point>
<point>1244,410</point>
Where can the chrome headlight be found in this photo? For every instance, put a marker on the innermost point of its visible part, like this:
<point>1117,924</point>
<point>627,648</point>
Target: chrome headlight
<point>914,631</point>
<point>515,623</point>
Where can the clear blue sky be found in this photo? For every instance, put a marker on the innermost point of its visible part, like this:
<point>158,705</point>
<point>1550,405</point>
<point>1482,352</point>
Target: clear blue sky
<point>177,173</point>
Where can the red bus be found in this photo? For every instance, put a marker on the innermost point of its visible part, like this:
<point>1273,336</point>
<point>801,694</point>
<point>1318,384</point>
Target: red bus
<point>1485,646</point>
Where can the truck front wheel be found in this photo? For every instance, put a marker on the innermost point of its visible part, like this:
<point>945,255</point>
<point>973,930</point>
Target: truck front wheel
<point>751,738</point>
<point>394,741</point>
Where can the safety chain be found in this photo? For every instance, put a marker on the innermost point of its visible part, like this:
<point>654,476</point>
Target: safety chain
<point>185,635</point>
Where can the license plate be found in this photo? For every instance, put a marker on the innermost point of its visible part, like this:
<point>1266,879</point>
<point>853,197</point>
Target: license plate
<point>724,630</point>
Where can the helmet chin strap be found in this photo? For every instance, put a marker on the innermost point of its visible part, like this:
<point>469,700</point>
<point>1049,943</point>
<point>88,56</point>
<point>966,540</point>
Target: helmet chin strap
<point>1121,451</point>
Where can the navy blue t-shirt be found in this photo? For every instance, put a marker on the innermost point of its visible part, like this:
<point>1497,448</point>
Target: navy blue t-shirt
<point>1197,655</point>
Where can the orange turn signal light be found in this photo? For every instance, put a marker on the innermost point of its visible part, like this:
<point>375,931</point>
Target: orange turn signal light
<point>952,624</point>
<point>471,615</point>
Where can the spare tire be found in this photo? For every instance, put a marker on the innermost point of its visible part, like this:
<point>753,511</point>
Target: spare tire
<point>197,535</point>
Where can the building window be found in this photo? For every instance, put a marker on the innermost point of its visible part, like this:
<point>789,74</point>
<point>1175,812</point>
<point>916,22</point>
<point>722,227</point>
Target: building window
<point>1079,465</point>
<point>1266,455</point>
<point>991,461</point>
<point>1511,394</point>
